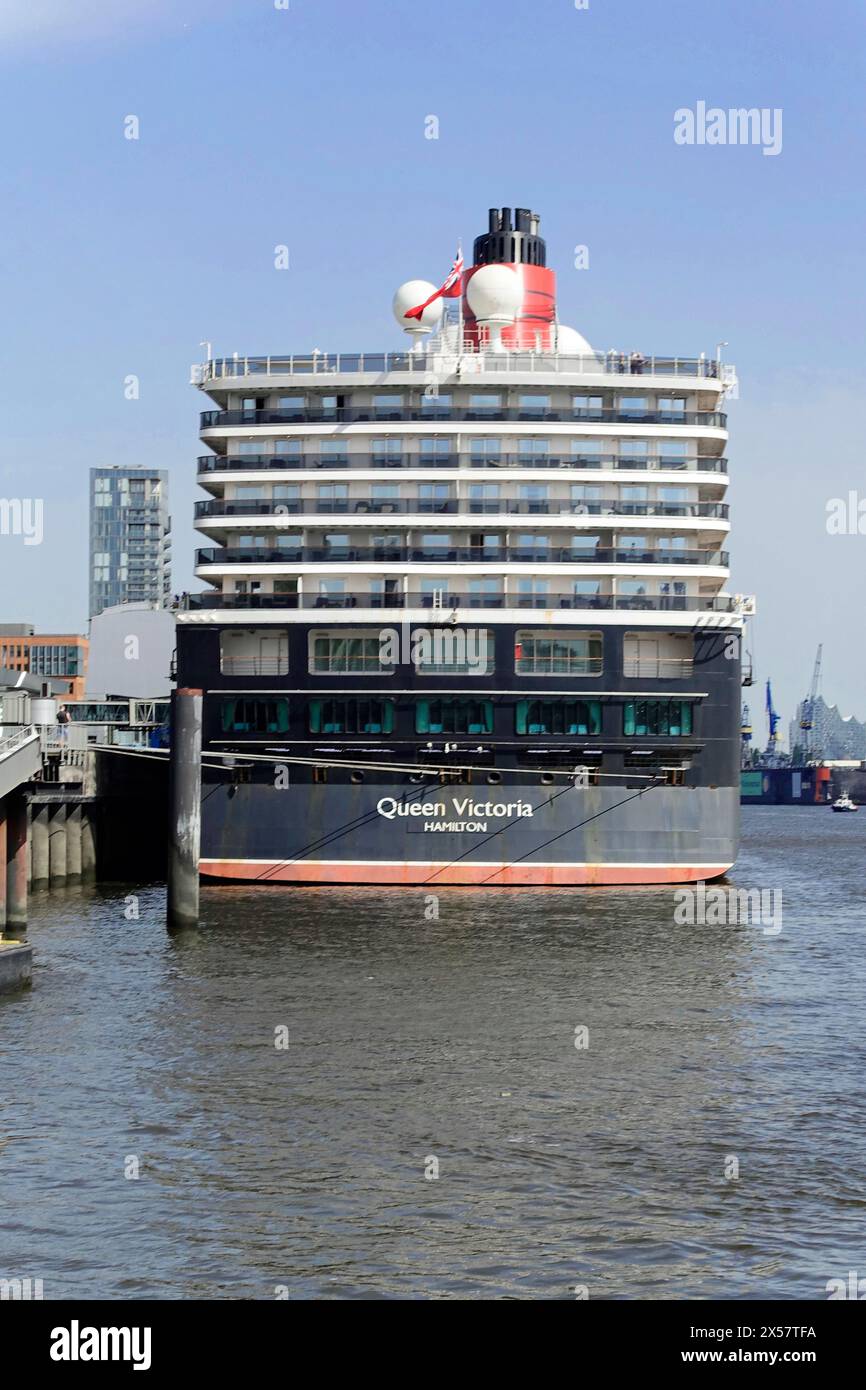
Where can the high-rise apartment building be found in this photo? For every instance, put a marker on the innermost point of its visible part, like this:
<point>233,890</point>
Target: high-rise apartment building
<point>130,545</point>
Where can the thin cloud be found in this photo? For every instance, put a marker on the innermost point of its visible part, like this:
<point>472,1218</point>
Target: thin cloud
<point>62,21</point>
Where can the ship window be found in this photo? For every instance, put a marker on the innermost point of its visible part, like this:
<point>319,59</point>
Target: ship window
<point>484,587</point>
<point>347,652</point>
<point>452,652</point>
<point>435,446</point>
<point>567,654</point>
<point>481,449</point>
<point>530,449</point>
<point>351,716</point>
<point>454,717</point>
<point>558,717</point>
<point>673,494</point>
<point>537,588</point>
<point>633,448</point>
<point>657,718</point>
<point>588,407</point>
<point>592,449</point>
<point>388,407</point>
<point>254,652</point>
<point>533,405</point>
<point>434,492</point>
<point>387,449</point>
<point>658,656</point>
<point>246,716</point>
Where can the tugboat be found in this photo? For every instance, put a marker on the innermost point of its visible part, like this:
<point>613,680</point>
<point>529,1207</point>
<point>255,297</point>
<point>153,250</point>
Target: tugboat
<point>844,803</point>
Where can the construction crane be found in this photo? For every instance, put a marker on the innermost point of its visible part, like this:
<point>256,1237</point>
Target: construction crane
<point>807,709</point>
<point>745,738</point>
<point>772,750</point>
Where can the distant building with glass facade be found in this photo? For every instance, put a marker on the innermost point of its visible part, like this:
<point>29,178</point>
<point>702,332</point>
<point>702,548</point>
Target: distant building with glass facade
<point>56,656</point>
<point>130,545</point>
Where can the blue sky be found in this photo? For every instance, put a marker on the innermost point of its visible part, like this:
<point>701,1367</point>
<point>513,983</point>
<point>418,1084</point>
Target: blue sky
<point>262,126</point>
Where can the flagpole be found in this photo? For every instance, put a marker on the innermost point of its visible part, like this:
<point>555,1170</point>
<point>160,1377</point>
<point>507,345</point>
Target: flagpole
<point>460,308</point>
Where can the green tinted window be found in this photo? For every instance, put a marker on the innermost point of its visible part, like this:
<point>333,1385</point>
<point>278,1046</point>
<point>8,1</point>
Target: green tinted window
<point>255,716</point>
<point>657,718</point>
<point>454,717</point>
<point>558,717</point>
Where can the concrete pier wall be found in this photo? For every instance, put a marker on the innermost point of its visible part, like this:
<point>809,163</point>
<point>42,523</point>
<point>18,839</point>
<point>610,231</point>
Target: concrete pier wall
<point>16,966</point>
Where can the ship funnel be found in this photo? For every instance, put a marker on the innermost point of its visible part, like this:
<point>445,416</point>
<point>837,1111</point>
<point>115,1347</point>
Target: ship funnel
<point>509,299</point>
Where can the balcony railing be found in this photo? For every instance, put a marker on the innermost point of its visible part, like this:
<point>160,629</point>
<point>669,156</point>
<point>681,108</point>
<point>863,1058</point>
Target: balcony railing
<point>423,364</point>
<point>447,600</point>
<point>659,669</point>
<point>223,463</point>
<point>253,666</point>
<point>423,506</point>
<point>347,415</point>
<point>360,554</point>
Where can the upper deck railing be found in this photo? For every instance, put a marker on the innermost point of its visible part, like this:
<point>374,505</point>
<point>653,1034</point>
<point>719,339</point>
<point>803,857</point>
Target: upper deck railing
<point>230,463</point>
<point>348,415</point>
<point>467,364</point>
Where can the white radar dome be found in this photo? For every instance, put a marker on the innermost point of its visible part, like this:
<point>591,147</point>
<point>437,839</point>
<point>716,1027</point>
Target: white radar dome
<point>495,294</point>
<point>409,296</point>
<point>570,341</point>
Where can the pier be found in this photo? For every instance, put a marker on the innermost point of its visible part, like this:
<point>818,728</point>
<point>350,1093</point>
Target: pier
<point>74,810</point>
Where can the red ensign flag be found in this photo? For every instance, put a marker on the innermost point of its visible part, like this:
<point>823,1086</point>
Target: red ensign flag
<point>450,290</point>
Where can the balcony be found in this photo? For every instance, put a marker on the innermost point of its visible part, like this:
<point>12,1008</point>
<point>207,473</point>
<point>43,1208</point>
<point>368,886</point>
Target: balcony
<point>223,463</point>
<point>348,415</point>
<point>448,600</point>
<point>421,506</point>
<point>502,554</point>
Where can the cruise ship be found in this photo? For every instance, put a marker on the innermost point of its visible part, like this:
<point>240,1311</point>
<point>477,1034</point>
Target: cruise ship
<point>467,619</point>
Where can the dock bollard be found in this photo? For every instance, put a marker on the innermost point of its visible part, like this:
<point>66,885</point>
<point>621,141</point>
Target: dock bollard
<point>182,907</point>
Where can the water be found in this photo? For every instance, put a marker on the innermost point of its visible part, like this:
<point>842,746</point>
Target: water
<point>411,1039</point>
